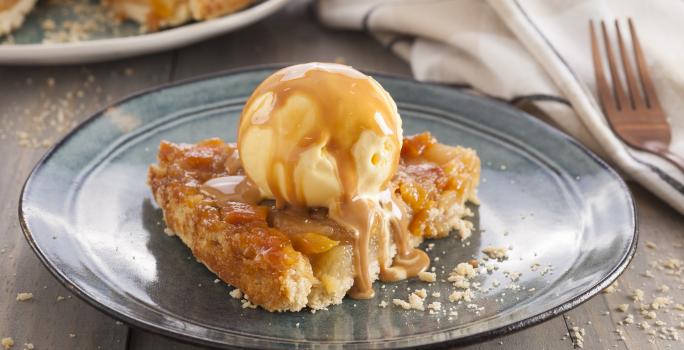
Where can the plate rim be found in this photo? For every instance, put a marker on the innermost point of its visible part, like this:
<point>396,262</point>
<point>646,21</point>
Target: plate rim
<point>470,339</point>
<point>100,50</point>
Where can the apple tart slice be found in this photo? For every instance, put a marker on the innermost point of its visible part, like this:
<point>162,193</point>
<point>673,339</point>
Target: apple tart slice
<point>285,259</point>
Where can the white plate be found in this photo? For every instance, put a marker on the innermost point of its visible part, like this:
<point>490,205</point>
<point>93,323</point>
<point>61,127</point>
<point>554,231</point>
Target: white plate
<point>120,47</point>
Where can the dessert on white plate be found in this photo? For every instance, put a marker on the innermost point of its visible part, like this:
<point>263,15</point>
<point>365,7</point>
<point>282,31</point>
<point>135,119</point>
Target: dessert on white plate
<point>12,14</point>
<point>150,14</point>
<point>157,14</point>
<point>321,196</point>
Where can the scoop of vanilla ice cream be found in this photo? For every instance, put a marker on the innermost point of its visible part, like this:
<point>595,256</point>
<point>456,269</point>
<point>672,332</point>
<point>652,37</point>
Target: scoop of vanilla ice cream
<point>316,133</point>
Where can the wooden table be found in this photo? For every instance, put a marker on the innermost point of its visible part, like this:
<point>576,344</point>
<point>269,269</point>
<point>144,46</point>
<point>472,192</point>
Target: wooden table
<point>292,35</point>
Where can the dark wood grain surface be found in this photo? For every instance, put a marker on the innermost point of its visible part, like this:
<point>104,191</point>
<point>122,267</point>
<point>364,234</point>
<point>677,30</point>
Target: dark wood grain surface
<point>33,98</point>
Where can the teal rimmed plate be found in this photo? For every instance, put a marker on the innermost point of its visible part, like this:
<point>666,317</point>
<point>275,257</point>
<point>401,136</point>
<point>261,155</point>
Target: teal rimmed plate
<point>89,216</point>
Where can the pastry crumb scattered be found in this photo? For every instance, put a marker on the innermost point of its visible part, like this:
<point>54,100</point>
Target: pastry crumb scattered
<point>611,289</point>
<point>24,296</point>
<point>427,276</point>
<point>416,302</point>
<point>660,302</point>
<point>577,336</point>
<point>498,253</point>
<point>236,293</point>
<point>401,303</point>
<point>436,306</point>
<point>7,342</point>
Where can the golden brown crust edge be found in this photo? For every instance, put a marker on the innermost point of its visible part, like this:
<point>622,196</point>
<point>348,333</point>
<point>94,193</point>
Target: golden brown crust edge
<point>248,255</point>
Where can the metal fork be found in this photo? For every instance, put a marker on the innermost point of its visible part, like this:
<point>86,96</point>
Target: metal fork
<point>638,120</point>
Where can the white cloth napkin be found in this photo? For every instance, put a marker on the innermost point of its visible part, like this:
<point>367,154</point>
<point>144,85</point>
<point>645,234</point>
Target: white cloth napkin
<point>536,50</point>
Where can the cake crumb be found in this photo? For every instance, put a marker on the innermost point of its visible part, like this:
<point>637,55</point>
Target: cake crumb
<point>435,306</point>
<point>651,245</point>
<point>427,276</point>
<point>422,293</point>
<point>7,342</point>
<point>629,319</point>
<point>401,303</point>
<point>236,293</point>
<point>638,295</point>
<point>383,304</point>
<point>611,289</point>
<point>672,264</point>
<point>577,336</point>
<point>60,298</point>
<point>416,302</point>
<point>498,253</point>
<point>459,281</point>
<point>623,307</point>
<point>24,296</point>
<point>465,270</point>
<point>29,346</point>
<point>461,295</point>
<point>660,302</point>
<point>72,335</point>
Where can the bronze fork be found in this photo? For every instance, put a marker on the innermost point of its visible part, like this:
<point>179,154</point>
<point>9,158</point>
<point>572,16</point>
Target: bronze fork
<point>638,121</point>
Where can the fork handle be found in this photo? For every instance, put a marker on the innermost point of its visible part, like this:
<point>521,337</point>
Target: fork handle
<point>671,157</point>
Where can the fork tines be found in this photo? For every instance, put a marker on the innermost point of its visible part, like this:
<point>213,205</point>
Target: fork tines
<point>621,100</point>
<point>636,116</point>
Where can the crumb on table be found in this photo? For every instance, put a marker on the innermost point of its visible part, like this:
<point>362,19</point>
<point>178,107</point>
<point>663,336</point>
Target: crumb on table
<point>24,296</point>
<point>7,342</point>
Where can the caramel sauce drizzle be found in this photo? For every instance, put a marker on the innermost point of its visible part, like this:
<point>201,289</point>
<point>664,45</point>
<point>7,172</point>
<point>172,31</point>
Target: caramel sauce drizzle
<point>237,188</point>
<point>346,103</point>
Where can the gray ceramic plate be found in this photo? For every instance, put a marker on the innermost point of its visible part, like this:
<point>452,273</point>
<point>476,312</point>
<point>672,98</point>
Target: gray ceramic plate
<point>88,214</point>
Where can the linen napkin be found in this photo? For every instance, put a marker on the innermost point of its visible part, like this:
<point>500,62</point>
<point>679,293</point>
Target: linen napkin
<point>536,51</point>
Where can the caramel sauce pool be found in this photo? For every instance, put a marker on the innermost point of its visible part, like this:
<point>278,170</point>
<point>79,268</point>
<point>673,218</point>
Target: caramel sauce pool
<point>344,104</point>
